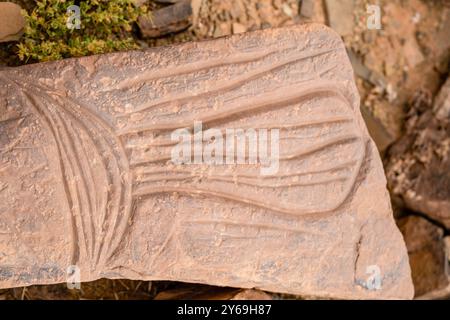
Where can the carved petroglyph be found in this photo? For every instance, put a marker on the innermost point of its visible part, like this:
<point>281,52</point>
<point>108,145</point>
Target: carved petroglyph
<point>94,172</point>
<point>98,189</point>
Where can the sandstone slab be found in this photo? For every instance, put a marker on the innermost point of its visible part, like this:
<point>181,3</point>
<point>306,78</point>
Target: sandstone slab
<point>87,178</point>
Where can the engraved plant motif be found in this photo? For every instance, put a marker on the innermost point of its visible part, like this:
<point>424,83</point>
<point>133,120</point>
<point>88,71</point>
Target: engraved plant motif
<point>108,168</point>
<point>94,171</point>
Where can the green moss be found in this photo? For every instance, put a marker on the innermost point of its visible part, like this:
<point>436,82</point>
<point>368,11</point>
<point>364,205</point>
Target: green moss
<point>106,26</point>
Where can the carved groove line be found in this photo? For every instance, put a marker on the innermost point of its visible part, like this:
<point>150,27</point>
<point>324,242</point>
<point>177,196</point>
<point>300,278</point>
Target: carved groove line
<point>251,183</point>
<point>145,172</point>
<point>281,97</point>
<point>225,85</point>
<point>116,210</point>
<point>240,58</point>
<point>297,154</point>
<point>121,211</point>
<point>269,126</point>
<point>303,94</point>
<point>254,225</point>
<point>67,172</point>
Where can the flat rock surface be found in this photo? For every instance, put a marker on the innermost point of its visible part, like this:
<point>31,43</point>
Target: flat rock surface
<point>87,178</point>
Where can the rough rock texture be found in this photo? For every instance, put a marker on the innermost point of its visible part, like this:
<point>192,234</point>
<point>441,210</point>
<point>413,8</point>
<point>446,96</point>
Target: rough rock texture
<point>340,15</point>
<point>307,8</point>
<point>418,166</point>
<point>427,255</point>
<point>250,294</point>
<point>442,104</point>
<point>170,19</point>
<point>190,292</point>
<point>11,22</point>
<point>86,177</point>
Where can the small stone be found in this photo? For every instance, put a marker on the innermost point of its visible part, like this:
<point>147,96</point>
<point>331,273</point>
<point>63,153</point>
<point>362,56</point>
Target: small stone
<point>383,139</point>
<point>340,16</point>
<point>288,10</point>
<point>170,19</point>
<point>412,53</point>
<point>441,106</point>
<point>358,66</point>
<point>196,6</point>
<point>222,29</point>
<point>266,25</point>
<point>307,8</point>
<point>11,22</point>
<point>238,28</point>
<point>447,247</point>
<point>362,71</point>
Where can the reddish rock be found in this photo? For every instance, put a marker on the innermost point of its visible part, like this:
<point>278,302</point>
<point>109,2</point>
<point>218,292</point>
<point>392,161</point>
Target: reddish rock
<point>238,28</point>
<point>340,16</point>
<point>427,255</point>
<point>170,19</point>
<point>250,294</point>
<point>307,8</point>
<point>11,22</point>
<point>418,165</point>
<point>442,103</point>
<point>198,292</point>
<point>87,177</point>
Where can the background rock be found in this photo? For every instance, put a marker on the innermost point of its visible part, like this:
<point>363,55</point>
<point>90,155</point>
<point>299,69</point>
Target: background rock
<point>427,255</point>
<point>341,15</point>
<point>11,22</point>
<point>418,165</point>
<point>171,19</point>
<point>202,292</point>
